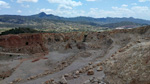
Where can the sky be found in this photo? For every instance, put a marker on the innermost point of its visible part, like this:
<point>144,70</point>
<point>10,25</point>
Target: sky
<point>73,8</point>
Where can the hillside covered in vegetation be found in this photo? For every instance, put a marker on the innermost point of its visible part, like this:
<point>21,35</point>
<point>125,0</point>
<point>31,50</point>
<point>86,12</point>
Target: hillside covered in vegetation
<point>19,30</point>
<point>49,22</point>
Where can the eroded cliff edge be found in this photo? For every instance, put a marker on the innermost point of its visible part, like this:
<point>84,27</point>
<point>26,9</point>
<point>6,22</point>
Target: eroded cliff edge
<point>123,53</point>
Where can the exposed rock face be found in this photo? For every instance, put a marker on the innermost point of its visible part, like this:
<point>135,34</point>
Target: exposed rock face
<point>81,46</point>
<point>43,42</point>
<point>132,66</point>
<point>23,43</point>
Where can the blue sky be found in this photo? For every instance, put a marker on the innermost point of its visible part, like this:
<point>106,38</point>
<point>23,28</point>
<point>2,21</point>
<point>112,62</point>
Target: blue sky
<point>73,8</point>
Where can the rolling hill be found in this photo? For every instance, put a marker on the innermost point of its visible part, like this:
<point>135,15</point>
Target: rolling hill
<point>92,20</point>
<point>51,22</point>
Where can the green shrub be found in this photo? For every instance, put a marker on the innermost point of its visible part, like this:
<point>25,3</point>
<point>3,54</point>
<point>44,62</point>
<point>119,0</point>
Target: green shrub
<point>19,30</point>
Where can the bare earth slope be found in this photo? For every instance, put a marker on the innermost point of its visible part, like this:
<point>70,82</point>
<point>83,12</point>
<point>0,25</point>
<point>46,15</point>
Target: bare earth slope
<point>129,66</point>
<point>113,57</point>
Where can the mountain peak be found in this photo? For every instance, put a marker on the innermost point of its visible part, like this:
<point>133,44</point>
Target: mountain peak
<point>42,14</point>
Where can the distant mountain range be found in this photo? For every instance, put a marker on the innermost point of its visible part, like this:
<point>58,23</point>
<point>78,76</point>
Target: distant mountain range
<point>90,19</point>
<point>43,20</point>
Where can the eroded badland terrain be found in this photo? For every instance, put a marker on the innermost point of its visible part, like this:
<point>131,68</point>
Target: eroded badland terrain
<point>110,57</point>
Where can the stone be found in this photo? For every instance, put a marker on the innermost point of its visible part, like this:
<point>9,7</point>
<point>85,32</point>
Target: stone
<point>75,76</point>
<point>99,64</point>
<point>32,77</point>
<point>77,72</point>
<point>11,83</point>
<point>90,63</point>
<point>100,68</point>
<point>91,79</point>
<point>51,79</point>
<point>63,80</point>
<point>95,80</point>
<point>94,66</point>
<point>138,41</point>
<point>17,80</point>
<point>47,82</point>
<point>90,72</point>
<point>86,82</point>
<point>29,78</point>
<point>81,70</point>
<point>86,68</point>
<point>90,67</point>
<point>64,62</point>
<point>102,82</point>
<point>65,65</point>
<point>66,75</point>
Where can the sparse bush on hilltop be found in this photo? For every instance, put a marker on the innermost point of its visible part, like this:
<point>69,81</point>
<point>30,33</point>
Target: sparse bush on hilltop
<point>19,30</point>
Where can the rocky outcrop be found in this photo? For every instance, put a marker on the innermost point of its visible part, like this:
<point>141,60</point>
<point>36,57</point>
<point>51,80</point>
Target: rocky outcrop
<point>23,43</point>
<point>131,66</point>
<point>45,42</point>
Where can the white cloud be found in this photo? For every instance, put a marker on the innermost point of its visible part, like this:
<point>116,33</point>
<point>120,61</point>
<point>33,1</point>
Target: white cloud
<point>135,11</point>
<point>61,6</point>
<point>141,9</point>
<point>124,5</point>
<point>68,4</point>
<point>90,0</point>
<point>143,0</point>
<point>19,11</point>
<point>21,1</point>
<point>47,10</point>
<point>64,13</point>
<point>25,6</point>
<point>134,4</point>
<point>4,5</point>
